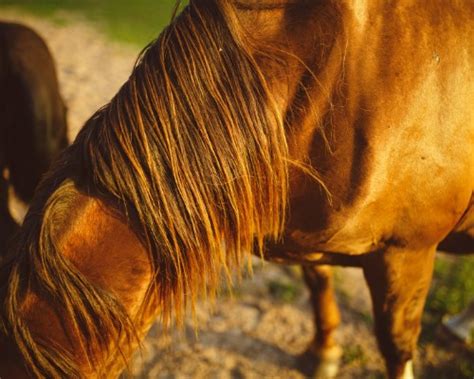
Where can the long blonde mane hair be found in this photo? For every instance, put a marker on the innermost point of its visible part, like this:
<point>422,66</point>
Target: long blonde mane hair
<point>192,152</point>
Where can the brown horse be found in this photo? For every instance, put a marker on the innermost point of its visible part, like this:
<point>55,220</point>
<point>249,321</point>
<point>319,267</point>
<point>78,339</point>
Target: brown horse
<point>32,116</point>
<point>209,152</point>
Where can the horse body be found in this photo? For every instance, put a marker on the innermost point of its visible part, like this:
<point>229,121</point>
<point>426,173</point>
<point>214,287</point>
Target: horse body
<point>33,116</point>
<point>395,111</point>
<point>377,97</point>
<point>392,137</point>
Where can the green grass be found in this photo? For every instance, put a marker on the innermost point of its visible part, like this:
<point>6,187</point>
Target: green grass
<point>354,354</point>
<point>284,290</point>
<point>137,21</point>
<point>452,288</point>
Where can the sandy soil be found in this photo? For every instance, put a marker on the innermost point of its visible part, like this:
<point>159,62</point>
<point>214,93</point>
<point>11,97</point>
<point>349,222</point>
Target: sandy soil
<point>254,334</point>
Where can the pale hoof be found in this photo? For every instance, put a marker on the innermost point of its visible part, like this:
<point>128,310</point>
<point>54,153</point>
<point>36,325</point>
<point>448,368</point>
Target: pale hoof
<point>408,371</point>
<point>320,364</point>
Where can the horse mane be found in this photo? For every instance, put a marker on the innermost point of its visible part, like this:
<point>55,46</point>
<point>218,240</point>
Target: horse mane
<point>192,152</point>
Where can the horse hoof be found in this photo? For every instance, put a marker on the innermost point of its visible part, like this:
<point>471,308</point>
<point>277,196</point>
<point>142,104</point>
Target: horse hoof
<point>320,364</point>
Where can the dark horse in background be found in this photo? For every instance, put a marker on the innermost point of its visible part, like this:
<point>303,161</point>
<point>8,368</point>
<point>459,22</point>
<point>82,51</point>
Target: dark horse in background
<point>316,132</point>
<point>32,117</point>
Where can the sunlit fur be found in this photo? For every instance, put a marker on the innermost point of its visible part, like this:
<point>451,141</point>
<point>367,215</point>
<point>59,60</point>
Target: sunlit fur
<point>191,152</point>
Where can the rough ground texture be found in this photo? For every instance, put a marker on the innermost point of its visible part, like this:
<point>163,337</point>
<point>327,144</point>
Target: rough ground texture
<point>257,330</point>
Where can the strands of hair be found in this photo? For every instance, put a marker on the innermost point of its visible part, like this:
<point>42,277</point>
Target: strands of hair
<point>193,153</point>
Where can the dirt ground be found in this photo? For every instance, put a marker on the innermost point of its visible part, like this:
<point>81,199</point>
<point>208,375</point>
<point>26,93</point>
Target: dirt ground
<point>258,330</point>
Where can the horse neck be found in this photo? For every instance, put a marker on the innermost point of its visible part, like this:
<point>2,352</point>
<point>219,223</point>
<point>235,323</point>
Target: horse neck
<point>309,40</point>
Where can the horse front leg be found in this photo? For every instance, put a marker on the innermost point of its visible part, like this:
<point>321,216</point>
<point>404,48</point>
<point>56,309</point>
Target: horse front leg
<point>323,355</point>
<point>398,280</point>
